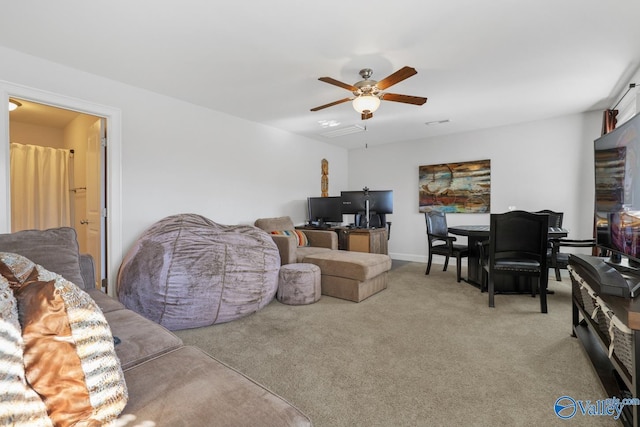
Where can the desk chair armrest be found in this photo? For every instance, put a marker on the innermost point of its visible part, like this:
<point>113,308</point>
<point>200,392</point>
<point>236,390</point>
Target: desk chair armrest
<point>556,262</point>
<point>448,240</point>
<point>580,243</point>
<point>572,243</point>
<point>483,250</point>
<point>558,243</point>
<point>444,238</point>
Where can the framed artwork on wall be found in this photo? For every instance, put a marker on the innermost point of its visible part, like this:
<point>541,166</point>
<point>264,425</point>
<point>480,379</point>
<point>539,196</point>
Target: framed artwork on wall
<point>463,187</point>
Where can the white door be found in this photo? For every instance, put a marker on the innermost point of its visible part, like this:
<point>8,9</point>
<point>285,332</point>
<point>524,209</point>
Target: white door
<point>95,220</point>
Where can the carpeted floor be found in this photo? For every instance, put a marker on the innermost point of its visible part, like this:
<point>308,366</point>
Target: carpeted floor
<point>427,351</point>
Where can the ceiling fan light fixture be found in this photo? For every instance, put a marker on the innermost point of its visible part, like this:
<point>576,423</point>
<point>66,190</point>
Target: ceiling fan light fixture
<point>368,103</point>
<point>13,104</point>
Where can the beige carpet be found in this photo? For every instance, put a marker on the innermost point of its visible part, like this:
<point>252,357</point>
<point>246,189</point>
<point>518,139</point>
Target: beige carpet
<point>427,351</point>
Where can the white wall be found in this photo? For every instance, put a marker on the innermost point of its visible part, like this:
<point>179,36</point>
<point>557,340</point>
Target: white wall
<point>26,133</point>
<point>183,158</point>
<point>539,165</point>
<point>179,157</point>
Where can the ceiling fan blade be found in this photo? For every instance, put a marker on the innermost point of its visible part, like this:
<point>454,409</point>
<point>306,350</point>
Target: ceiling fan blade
<point>407,99</point>
<point>366,116</point>
<point>397,77</point>
<point>338,83</point>
<point>331,104</point>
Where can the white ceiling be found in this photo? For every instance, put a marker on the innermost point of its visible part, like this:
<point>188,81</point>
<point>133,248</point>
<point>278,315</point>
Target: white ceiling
<point>480,63</point>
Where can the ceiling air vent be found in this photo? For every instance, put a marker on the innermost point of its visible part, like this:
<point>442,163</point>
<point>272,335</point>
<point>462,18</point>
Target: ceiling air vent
<point>343,131</point>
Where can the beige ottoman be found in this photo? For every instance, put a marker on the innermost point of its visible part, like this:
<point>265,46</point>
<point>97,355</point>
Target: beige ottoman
<point>299,284</point>
<point>353,276</point>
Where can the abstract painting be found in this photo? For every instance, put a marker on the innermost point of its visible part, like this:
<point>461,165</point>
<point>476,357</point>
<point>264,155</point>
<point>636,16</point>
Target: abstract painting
<point>455,187</point>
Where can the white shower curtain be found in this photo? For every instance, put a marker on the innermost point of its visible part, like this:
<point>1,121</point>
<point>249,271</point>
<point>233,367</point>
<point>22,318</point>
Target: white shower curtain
<point>40,187</point>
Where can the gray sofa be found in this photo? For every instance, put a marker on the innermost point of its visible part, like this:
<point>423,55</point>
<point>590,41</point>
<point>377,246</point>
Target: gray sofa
<point>169,384</point>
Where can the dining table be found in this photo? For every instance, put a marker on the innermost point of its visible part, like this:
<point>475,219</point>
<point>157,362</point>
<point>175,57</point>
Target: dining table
<point>480,233</point>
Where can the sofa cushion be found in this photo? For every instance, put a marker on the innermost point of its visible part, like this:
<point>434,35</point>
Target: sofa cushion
<point>20,405</point>
<point>301,238</point>
<point>55,249</point>
<point>322,238</point>
<point>88,271</point>
<point>187,387</point>
<point>104,301</point>
<point>351,265</point>
<point>302,253</point>
<point>69,356</point>
<point>140,338</point>
<point>274,224</point>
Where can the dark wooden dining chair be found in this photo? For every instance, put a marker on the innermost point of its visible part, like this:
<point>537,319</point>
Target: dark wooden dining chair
<point>441,243</point>
<point>518,247</point>
<point>555,218</point>
<point>560,260</point>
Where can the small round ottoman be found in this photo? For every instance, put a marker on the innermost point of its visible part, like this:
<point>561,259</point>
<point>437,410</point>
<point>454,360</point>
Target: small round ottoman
<point>299,284</point>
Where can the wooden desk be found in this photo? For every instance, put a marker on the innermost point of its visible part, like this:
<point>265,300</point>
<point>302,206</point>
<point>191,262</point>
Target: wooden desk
<point>372,240</point>
<point>480,233</point>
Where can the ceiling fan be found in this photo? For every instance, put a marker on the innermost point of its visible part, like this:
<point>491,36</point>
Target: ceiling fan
<point>368,93</point>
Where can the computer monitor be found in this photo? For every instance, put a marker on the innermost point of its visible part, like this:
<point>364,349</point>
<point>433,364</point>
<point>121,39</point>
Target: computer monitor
<point>380,201</point>
<point>325,209</point>
<point>352,202</point>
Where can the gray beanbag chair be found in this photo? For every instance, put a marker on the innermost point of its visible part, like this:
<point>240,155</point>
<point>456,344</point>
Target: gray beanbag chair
<point>186,271</point>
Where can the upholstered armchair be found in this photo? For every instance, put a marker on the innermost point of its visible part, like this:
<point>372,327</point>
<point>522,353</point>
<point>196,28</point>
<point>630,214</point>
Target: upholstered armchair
<point>294,244</point>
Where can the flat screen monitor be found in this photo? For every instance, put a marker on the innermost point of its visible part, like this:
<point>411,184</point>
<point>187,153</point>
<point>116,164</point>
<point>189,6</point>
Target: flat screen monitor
<point>617,190</point>
<point>380,201</point>
<point>325,209</point>
<point>352,202</point>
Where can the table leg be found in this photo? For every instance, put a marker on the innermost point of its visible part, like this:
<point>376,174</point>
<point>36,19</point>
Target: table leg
<point>474,269</point>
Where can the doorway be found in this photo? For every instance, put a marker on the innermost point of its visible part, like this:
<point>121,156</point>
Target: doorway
<point>113,166</point>
<point>74,193</point>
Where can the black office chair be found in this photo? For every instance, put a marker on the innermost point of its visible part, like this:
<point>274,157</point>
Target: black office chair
<point>376,221</point>
<point>518,247</point>
<point>437,231</point>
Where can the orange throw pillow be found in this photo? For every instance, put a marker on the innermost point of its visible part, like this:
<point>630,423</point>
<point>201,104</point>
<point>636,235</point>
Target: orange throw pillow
<point>69,356</point>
